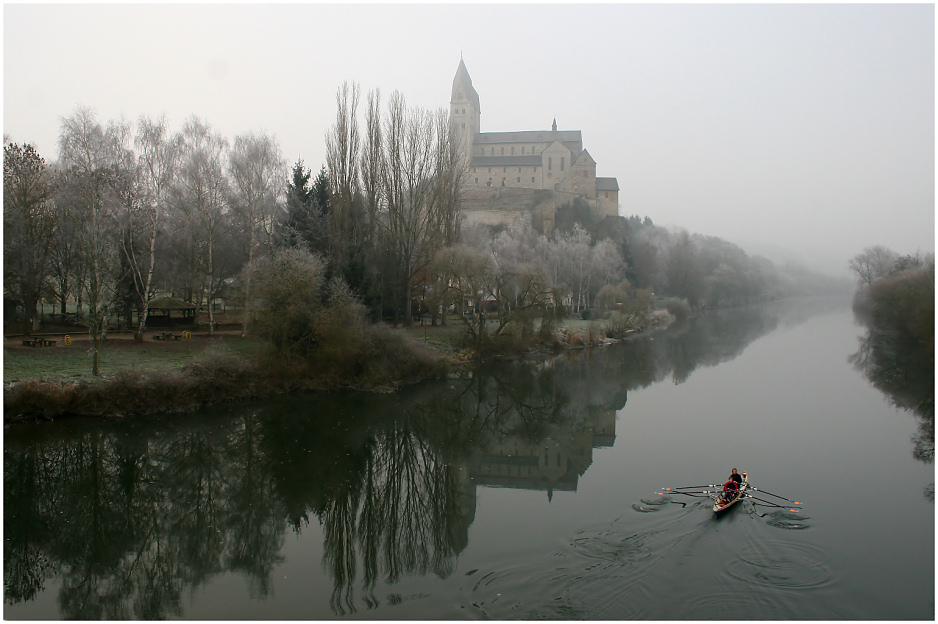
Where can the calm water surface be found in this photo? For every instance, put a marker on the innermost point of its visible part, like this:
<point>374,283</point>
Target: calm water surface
<point>525,490</point>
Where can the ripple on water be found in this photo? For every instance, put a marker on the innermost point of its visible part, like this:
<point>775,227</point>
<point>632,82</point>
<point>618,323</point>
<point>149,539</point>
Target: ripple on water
<point>735,605</point>
<point>787,520</point>
<point>649,508</point>
<point>781,565</point>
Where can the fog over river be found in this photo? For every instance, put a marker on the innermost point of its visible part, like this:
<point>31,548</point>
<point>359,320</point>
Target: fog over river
<point>521,490</point>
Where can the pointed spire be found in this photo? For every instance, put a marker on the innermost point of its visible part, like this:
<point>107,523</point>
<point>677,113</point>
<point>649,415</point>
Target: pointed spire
<point>553,127</point>
<point>462,85</point>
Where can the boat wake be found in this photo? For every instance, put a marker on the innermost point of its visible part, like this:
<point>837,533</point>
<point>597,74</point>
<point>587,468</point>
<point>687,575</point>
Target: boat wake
<point>678,564</point>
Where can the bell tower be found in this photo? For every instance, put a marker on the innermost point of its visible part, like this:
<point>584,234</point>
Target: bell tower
<point>464,110</point>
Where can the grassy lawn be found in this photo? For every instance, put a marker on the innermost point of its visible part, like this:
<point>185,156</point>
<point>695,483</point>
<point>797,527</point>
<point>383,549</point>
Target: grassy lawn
<point>74,361</point>
<point>22,363</point>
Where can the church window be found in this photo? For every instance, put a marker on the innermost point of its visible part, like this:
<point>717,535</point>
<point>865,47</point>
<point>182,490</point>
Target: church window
<point>503,181</point>
<point>504,169</point>
<point>519,179</point>
<point>532,179</point>
<point>550,163</point>
<point>477,180</point>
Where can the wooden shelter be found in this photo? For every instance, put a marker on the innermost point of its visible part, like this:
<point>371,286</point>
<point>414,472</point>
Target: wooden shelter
<point>170,312</point>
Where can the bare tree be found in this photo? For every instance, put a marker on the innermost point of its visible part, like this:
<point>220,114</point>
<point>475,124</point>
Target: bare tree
<point>158,157</point>
<point>421,194</point>
<point>96,161</point>
<point>873,263</point>
<point>258,175</point>
<point>29,221</point>
<point>66,268</point>
<point>342,160</point>
<point>200,193</point>
<point>372,167</point>
<point>449,177</point>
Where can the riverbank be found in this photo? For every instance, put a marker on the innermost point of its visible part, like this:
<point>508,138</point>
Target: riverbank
<point>150,377</point>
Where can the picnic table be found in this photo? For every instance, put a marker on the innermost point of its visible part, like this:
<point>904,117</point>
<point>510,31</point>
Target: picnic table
<point>38,342</point>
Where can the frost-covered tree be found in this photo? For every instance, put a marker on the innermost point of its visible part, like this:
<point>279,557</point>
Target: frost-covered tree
<point>29,223</point>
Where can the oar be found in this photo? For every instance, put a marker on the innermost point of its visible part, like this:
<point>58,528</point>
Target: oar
<point>691,487</point>
<point>771,504</point>
<point>755,489</point>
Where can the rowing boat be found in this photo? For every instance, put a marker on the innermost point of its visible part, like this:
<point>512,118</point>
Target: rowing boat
<point>721,505</point>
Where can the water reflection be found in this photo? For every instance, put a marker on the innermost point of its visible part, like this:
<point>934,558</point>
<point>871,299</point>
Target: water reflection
<point>126,516</point>
<point>904,370</point>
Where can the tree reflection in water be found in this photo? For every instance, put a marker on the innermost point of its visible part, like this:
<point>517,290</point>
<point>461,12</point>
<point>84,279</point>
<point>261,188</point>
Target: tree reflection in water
<point>904,370</point>
<point>130,514</point>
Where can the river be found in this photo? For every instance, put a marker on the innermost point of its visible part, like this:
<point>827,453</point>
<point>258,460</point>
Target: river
<point>521,490</point>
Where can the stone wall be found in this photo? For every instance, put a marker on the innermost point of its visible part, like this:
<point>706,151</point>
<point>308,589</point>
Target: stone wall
<point>494,206</point>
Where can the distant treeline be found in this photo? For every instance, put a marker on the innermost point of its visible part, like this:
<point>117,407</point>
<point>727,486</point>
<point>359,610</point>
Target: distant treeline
<point>896,301</point>
<point>896,294</point>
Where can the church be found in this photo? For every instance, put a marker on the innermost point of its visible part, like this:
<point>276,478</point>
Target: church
<point>524,172</point>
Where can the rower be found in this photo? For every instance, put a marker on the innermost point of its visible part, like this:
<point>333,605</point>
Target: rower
<point>735,477</point>
<point>729,490</point>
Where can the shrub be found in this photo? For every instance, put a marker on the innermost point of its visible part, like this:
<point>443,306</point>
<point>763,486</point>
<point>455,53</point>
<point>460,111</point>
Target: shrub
<point>288,297</point>
<point>678,308</point>
<point>905,302</point>
<point>390,357</point>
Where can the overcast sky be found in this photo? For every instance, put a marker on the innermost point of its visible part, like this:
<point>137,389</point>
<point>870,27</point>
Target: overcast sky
<point>806,128</point>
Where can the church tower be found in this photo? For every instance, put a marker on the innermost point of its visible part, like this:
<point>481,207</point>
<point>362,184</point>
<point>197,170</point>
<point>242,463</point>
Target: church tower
<point>464,110</point>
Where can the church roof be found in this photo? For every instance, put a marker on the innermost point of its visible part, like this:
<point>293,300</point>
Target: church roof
<point>462,86</point>
<point>607,184</point>
<point>529,136</point>
<point>586,157</point>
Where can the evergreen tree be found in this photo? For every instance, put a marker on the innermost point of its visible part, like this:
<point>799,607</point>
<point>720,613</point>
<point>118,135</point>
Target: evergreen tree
<point>307,211</point>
